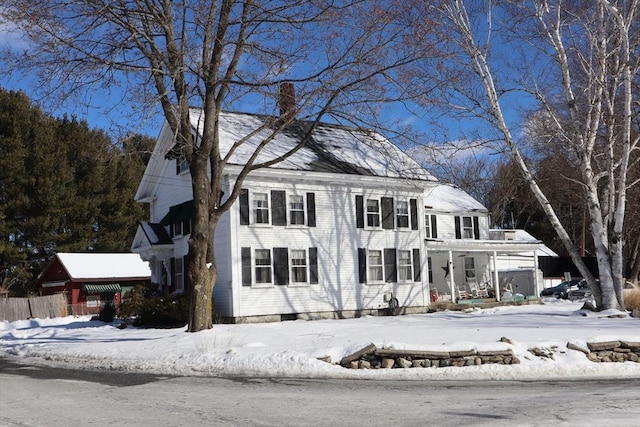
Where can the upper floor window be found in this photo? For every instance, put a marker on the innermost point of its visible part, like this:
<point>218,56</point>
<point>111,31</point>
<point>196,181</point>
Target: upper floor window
<point>402,214</point>
<point>181,165</point>
<point>296,209</point>
<point>467,227</point>
<point>387,213</point>
<point>373,213</point>
<point>430,226</point>
<point>260,208</point>
<point>276,208</point>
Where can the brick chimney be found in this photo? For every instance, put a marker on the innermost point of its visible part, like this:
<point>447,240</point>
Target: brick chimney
<point>287,100</point>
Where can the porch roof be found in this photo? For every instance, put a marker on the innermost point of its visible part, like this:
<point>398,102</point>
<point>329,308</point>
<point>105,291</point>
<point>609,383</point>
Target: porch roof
<point>486,246</point>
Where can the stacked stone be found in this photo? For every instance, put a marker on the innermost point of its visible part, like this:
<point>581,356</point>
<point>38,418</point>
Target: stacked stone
<point>371,357</point>
<point>614,351</point>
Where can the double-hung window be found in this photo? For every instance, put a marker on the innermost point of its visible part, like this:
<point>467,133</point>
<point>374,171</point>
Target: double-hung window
<point>263,265</point>
<point>179,275</point>
<point>469,267</point>
<point>405,266</point>
<point>375,266</point>
<point>430,226</point>
<point>373,213</point>
<point>296,209</point>
<point>467,227</point>
<point>402,214</point>
<point>181,165</point>
<point>261,208</point>
<point>299,266</point>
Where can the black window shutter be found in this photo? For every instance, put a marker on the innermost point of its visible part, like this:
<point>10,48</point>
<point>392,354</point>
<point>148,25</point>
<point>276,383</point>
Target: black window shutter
<point>458,231</point>
<point>360,213</point>
<point>434,227</point>
<point>311,209</point>
<point>245,255</point>
<point>476,228</point>
<point>362,265</point>
<point>281,266</point>
<point>413,206</point>
<point>185,272</point>
<point>172,273</point>
<point>313,266</point>
<point>390,269</point>
<point>186,227</point>
<point>387,212</point>
<point>278,207</point>
<point>416,265</point>
<point>244,207</point>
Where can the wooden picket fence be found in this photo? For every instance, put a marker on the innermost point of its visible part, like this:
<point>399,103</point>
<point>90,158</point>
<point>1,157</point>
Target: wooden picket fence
<point>13,309</point>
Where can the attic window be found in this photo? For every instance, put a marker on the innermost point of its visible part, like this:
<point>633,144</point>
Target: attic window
<point>181,165</point>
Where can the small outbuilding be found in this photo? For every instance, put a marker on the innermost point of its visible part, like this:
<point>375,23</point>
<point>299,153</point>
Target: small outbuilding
<point>92,280</point>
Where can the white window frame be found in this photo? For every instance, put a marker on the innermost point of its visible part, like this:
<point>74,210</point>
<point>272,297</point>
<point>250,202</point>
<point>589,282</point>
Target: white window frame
<point>183,166</point>
<point>373,269</point>
<point>266,267</point>
<point>255,208</point>
<point>293,267</point>
<point>404,215</point>
<point>178,272</point>
<point>466,230</point>
<point>178,228</point>
<point>403,266</point>
<point>93,301</point>
<point>427,225</point>
<point>372,216</point>
<point>298,211</point>
<point>469,267</point>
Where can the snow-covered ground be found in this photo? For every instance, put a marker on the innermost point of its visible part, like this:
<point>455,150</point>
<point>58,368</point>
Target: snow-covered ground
<point>292,349</point>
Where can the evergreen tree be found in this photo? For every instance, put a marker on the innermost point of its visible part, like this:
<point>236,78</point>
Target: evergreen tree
<point>63,187</point>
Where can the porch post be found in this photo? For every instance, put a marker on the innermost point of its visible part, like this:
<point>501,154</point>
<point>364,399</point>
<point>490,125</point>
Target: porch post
<point>496,280</point>
<point>535,272</point>
<point>452,282</point>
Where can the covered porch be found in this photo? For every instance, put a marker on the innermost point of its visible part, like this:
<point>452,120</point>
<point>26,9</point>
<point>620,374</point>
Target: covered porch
<point>462,270</point>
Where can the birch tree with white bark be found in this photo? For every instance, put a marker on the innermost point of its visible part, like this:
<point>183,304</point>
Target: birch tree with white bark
<point>572,65</point>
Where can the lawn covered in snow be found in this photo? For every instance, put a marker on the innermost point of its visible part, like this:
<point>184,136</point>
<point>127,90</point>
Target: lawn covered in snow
<point>291,349</point>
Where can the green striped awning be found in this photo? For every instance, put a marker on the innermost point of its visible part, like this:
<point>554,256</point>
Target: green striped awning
<point>100,288</point>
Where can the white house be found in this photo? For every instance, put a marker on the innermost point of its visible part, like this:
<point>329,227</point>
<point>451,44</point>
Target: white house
<point>341,228</point>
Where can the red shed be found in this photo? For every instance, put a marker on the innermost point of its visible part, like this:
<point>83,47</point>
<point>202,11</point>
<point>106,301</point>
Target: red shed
<point>91,280</point>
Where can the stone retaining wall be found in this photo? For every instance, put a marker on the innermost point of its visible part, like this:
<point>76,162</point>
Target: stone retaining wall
<point>371,357</point>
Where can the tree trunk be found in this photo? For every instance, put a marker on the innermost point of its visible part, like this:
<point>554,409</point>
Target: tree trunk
<point>202,270</point>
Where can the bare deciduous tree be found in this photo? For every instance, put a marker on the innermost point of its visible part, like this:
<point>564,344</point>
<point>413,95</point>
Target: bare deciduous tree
<point>214,54</point>
<point>574,62</point>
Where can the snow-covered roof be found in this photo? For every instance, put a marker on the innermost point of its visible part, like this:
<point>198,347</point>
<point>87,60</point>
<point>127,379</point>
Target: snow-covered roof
<point>520,235</point>
<point>331,148</point>
<point>104,265</point>
<point>449,198</point>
